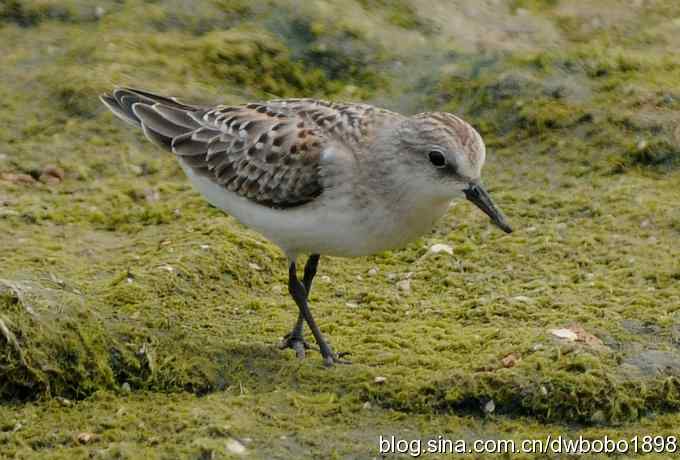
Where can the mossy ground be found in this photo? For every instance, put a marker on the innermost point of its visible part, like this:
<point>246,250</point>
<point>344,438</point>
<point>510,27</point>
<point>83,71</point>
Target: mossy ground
<point>132,310</point>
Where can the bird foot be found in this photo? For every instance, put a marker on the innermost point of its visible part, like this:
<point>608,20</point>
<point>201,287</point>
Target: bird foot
<point>336,358</point>
<point>296,343</point>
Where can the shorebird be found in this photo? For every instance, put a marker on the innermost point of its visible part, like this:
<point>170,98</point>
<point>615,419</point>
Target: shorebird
<point>318,177</point>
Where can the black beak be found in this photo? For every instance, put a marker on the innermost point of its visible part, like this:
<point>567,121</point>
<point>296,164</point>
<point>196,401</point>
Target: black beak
<point>478,196</point>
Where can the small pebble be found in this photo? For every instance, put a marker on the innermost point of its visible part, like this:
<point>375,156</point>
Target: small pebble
<point>565,334</point>
<point>51,175</point>
<point>64,402</point>
<point>86,438</point>
<point>379,380</point>
<point>522,298</point>
<point>373,271</point>
<point>510,360</point>
<point>437,248</point>
<point>24,179</point>
<point>489,407</point>
<point>404,285</point>
<point>235,447</point>
<point>152,195</point>
<point>598,417</point>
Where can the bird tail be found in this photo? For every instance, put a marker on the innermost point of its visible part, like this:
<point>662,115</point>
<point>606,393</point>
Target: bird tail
<point>161,118</point>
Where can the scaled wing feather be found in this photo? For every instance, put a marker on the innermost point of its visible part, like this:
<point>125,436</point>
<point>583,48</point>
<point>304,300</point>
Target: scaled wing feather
<point>267,152</point>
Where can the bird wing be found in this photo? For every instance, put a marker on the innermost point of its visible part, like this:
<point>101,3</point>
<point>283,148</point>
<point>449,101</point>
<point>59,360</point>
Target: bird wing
<point>267,152</point>
<point>348,123</point>
<point>261,154</point>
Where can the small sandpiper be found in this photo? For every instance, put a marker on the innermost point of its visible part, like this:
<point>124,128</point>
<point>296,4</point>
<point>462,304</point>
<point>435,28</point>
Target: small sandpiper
<point>317,177</point>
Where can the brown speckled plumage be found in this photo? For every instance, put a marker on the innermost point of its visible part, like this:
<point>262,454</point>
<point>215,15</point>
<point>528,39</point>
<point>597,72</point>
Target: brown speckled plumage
<point>268,152</point>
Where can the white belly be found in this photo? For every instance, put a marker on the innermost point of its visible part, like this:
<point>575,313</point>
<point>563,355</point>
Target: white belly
<point>329,225</point>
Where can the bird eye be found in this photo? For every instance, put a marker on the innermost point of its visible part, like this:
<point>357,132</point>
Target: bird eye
<point>437,158</point>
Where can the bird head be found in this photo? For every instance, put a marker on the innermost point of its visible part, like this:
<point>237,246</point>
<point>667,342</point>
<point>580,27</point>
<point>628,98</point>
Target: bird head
<point>446,157</point>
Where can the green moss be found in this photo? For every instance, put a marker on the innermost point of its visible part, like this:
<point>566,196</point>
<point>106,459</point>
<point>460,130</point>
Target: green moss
<point>344,53</point>
<point>252,60</point>
<point>661,155</point>
<point>242,7</point>
<point>568,91</point>
<point>158,317</point>
<point>533,5</point>
<point>28,14</point>
<point>75,95</point>
<point>14,11</point>
<point>60,354</point>
<point>400,13</point>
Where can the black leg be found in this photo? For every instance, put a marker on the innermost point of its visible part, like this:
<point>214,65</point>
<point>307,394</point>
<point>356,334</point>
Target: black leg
<point>295,338</point>
<point>299,293</point>
<point>310,272</point>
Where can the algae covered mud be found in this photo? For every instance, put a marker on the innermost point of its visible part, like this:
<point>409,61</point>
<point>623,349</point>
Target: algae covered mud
<point>138,322</point>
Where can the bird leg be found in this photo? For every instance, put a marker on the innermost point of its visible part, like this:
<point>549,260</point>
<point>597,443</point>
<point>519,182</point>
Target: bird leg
<point>295,338</point>
<point>299,294</point>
